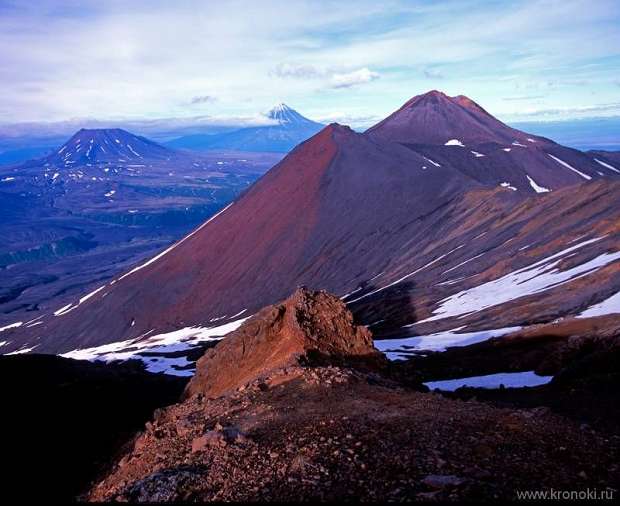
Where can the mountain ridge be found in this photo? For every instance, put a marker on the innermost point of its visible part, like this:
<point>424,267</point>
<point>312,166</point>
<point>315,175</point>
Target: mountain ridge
<point>389,222</point>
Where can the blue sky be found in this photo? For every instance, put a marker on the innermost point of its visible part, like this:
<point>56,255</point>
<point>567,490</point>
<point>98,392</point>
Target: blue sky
<point>226,62</point>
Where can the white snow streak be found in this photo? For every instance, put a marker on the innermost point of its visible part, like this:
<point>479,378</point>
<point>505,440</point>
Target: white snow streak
<point>432,161</point>
<point>562,162</point>
<point>606,165</point>
<point>22,350</point>
<point>11,326</point>
<point>462,263</point>
<point>405,276</point>
<point>168,250</point>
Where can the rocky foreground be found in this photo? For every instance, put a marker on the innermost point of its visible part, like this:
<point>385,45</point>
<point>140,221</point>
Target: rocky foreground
<point>298,405</point>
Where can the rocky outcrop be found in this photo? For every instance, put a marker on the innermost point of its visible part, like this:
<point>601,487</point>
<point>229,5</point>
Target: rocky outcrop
<point>307,328</point>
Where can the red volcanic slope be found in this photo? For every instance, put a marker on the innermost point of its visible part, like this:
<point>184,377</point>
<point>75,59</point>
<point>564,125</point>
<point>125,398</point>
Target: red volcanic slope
<point>316,219</point>
<point>346,211</point>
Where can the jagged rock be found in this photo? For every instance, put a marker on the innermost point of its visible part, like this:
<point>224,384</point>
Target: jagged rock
<point>307,328</point>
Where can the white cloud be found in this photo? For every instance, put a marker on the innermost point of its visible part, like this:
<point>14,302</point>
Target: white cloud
<point>354,78</point>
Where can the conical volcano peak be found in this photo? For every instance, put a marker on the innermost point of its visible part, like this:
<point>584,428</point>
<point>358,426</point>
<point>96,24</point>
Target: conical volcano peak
<point>436,118</point>
<point>91,145</point>
<point>285,115</point>
<point>433,96</point>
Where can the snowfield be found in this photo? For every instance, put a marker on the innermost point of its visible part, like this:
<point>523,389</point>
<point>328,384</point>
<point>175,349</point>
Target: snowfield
<point>400,349</point>
<point>529,280</point>
<point>568,166</point>
<point>508,379</point>
<point>153,351</point>
<point>608,306</point>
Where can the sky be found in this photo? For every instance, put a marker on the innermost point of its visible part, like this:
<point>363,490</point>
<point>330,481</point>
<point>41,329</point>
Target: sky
<point>228,62</point>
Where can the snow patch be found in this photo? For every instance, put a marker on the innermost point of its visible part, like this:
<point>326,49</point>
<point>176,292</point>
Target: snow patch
<point>399,349</point>
<point>508,379</point>
<point>507,185</point>
<point>610,305</point>
<point>476,154</point>
<point>454,142</point>
<point>537,188</point>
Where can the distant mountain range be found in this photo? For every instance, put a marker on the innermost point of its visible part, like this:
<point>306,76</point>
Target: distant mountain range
<point>290,129</point>
<point>583,134</point>
<point>439,219</point>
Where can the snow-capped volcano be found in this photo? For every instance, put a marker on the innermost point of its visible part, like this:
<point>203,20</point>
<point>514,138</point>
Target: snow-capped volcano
<point>284,115</point>
<point>106,145</point>
<point>291,129</point>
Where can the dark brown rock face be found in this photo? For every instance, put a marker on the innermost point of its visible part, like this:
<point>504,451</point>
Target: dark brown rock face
<point>308,327</point>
